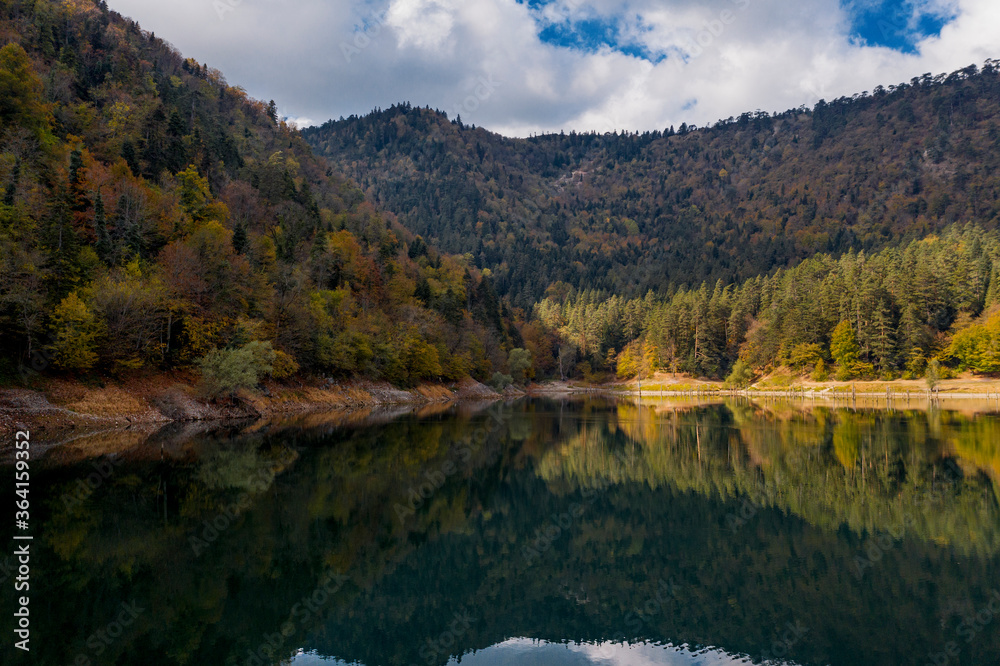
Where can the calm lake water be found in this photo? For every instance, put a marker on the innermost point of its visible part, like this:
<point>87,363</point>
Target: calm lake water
<point>539,532</point>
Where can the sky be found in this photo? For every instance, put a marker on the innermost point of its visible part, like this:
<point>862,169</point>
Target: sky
<point>521,67</point>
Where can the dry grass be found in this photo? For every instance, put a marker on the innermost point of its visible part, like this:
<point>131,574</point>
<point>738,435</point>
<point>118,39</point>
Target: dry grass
<point>107,402</point>
<point>434,392</point>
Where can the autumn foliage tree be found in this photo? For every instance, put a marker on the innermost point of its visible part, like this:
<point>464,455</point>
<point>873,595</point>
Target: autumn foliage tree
<point>75,329</point>
<point>151,214</point>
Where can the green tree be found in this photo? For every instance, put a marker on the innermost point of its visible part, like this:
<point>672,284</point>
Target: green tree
<point>844,349</point>
<point>519,362</point>
<point>933,375</point>
<point>805,355</point>
<point>103,243</point>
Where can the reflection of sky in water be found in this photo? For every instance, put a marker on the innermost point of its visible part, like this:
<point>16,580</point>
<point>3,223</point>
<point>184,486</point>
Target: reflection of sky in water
<point>528,652</point>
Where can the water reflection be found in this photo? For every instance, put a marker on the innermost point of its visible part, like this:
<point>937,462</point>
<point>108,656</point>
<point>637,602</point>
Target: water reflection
<point>527,652</point>
<point>549,532</point>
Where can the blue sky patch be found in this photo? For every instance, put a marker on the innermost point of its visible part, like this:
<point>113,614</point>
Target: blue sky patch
<point>893,24</point>
<point>589,34</point>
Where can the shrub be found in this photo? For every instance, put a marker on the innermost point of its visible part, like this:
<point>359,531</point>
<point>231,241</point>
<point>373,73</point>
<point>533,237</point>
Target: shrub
<point>741,375</point>
<point>225,371</point>
<point>500,381</point>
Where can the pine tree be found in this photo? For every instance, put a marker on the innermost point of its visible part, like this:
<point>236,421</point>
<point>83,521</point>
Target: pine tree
<point>103,244</point>
<point>240,240</point>
<point>844,349</point>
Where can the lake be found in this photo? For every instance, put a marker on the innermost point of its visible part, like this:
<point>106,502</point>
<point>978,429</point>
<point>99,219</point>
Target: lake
<point>577,531</point>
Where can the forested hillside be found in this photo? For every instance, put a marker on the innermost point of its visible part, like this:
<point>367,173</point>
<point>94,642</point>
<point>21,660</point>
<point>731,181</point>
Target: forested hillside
<point>628,212</point>
<point>886,315</point>
<point>153,217</point>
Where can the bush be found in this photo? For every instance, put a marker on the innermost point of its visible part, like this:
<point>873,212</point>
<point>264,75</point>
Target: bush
<point>500,381</point>
<point>225,371</point>
<point>741,375</point>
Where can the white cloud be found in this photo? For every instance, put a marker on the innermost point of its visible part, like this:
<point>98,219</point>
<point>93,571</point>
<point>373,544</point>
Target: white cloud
<point>424,24</point>
<point>301,122</point>
<point>321,59</point>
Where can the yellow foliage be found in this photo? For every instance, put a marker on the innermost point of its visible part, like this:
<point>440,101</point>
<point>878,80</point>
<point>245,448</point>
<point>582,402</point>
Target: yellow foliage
<point>977,347</point>
<point>284,365</point>
<point>628,362</point>
<point>20,90</point>
<point>76,330</point>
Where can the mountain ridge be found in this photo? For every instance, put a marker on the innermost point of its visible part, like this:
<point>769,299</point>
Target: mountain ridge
<point>662,209</point>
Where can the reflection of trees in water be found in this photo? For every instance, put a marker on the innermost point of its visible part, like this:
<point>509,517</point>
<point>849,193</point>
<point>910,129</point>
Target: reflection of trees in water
<point>332,509</point>
<point>872,471</point>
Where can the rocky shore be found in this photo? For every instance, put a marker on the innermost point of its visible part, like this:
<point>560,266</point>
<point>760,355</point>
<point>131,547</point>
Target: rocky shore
<point>60,405</point>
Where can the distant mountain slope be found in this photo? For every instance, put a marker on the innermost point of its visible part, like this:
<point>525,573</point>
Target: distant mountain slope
<point>627,212</point>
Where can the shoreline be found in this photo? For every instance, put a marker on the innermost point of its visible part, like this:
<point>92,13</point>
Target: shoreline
<point>57,407</point>
<point>967,387</point>
<point>793,395</point>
